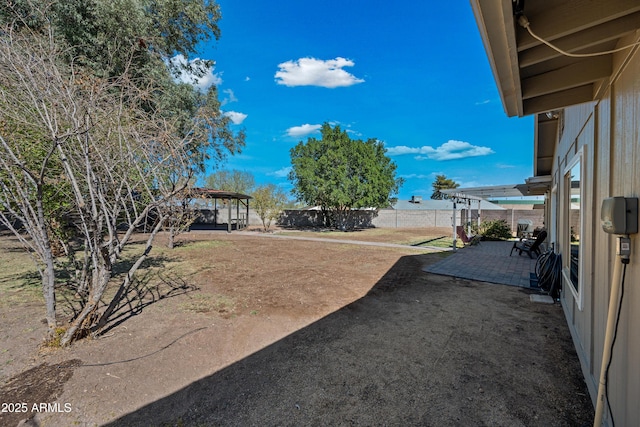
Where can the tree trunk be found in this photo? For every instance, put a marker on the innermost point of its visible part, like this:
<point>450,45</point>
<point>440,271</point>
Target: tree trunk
<point>172,236</point>
<point>342,218</point>
<point>49,276</point>
<point>83,283</point>
<point>101,280</point>
<point>122,290</point>
<point>124,287</point>
<point>86,319</point>
<point>49,293</point>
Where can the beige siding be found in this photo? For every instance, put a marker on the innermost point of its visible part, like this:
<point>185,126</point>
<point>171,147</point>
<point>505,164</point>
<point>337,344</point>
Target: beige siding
<point>579,136</point>
<point>602,257</point>
<point>626,181</point>
<point>608,132</point>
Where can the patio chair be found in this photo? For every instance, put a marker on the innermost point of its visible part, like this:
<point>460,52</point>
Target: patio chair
<point>525,228</point>
<point>473,240</point>
<point>530,246</point>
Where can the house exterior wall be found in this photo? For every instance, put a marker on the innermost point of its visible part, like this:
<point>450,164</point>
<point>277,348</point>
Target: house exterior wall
<point>605,136</point>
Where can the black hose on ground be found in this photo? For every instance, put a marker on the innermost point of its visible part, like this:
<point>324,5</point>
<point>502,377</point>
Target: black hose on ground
<point>549,273</point>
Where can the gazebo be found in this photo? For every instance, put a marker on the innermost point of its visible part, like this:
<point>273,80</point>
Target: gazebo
<point>229,199</point>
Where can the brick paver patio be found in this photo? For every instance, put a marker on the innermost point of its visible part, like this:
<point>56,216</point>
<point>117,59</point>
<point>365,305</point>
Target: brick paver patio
<point>487,262</point>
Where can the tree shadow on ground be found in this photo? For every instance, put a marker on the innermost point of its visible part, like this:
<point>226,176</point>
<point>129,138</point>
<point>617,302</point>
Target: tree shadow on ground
<point>153,282</point>
<point>428,241</point>
<point>143,293</point>
<point>418,349</point>
<point>23,280</point>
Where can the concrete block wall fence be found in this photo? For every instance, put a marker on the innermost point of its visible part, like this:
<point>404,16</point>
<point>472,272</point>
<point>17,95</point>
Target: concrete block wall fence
<point>392,218</point>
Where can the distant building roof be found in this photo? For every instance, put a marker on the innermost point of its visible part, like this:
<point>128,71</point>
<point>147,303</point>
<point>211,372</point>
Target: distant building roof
<point>430,204</point>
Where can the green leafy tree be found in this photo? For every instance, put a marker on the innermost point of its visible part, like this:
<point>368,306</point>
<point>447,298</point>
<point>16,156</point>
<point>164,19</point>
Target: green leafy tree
<point>108,36</point>
<point>442,183</point>
<point>339,174</point>
<point>141,39</point>
<point>268,201</point>
<point>231,180</point>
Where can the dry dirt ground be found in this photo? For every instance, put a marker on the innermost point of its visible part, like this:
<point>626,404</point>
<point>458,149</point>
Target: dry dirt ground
<point>261,331</point>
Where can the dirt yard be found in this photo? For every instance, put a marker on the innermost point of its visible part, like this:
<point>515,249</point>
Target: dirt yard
<point>248,330</point>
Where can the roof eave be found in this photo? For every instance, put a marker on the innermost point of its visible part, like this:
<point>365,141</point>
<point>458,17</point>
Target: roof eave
<point>496,24</point>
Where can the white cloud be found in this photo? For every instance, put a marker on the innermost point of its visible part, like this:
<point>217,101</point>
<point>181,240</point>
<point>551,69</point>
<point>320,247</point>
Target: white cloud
<point>306,129</point>
<point>208,80</point>
<point>399,150</point>
<point>202,83</point>
<point>231,97</point>
<point>468,184</point>
<point>316,72</point>
<point>236,118</point>
<point>281,173</point>
<point>450,150</point>
<point>417,176</point>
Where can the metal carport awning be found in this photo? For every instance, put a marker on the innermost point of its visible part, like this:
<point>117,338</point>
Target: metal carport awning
<point>534,186</point>
<point>216,195</point>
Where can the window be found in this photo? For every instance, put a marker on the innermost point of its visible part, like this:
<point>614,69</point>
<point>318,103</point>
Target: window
<point>572,227</point>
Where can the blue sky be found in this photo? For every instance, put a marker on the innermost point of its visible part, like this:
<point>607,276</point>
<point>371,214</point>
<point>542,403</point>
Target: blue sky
<point>410,73</point>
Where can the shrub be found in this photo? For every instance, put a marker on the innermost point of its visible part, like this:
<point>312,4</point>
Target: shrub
<point>497,229</point>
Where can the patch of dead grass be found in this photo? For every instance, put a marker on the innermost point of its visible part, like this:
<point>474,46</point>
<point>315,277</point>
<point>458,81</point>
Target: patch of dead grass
<point>401,236</point>
<point>19,278</point>
<point>207,303</point>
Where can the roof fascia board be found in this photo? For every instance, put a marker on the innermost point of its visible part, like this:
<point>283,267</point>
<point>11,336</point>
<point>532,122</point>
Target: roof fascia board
<point>494,19</point>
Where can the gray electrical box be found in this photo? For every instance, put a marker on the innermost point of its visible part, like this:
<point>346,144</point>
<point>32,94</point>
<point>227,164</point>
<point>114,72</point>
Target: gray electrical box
<point>619,215</point>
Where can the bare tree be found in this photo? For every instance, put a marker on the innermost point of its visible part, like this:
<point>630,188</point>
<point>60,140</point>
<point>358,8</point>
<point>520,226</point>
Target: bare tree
<point>268,201</point>
<point>110,152</point>
<point>117,167</point>
<point>181,213</point>
<point>29,152</point>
